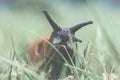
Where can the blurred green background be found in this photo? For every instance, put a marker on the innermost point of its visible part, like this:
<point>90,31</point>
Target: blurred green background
<point>21,21</point>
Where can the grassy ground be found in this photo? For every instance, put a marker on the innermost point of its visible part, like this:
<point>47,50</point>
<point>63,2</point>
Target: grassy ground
<point>99,52</point>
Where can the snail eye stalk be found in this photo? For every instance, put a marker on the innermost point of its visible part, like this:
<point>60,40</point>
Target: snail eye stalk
<point>73,29</point>
<point>52,23</point>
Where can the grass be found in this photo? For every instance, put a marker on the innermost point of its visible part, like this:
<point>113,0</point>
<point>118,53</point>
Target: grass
<point>98,54</point>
